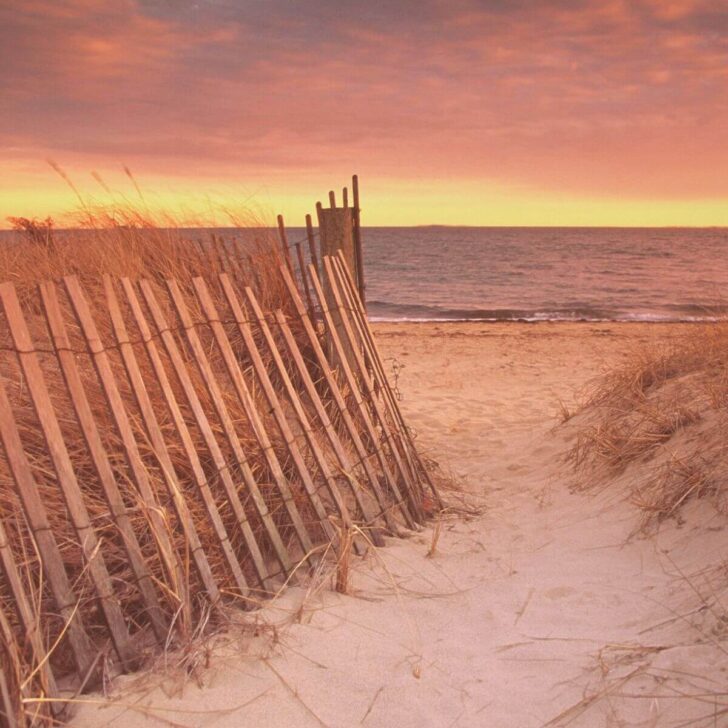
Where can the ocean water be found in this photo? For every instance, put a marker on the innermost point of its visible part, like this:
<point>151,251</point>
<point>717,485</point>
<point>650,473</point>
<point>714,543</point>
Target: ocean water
<point>439,273</point>
<point>533,274</point>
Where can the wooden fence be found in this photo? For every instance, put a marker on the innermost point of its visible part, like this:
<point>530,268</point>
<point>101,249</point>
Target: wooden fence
<point>180,449</point>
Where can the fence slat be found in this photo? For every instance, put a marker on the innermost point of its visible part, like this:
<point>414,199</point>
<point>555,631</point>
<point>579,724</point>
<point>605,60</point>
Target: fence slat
<point>257,424</point>
<point>301,415</point>
<point>272,397</point>
<point>339,399</point>
<point>370,346</point>
<point>343,359</point>
<point>66,476</point>
<point>79,400</point>
<point>160,448</point>
<point>410,485</point>
<point>123,426</point>
<point>26,612</point>
<point>369,518</point>
<point>83,650</point>
<point>203,487</point>
<point>233,368</point>
<point>213,389</point>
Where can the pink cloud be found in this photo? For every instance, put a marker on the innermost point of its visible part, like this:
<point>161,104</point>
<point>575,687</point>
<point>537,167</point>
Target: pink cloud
<point>614,97</point>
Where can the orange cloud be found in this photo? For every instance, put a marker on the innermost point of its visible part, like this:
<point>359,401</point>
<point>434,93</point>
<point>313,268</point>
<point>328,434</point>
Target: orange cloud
<point>598,99</point>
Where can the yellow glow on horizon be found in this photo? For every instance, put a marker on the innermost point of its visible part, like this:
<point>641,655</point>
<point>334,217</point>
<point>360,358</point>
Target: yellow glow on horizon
<point>384,203</point>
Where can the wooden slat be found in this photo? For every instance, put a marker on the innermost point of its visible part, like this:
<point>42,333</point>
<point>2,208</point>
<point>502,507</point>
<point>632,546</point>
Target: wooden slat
<point>297,406</point>
<point>188,445</point>
<point>7,709</point>
<point>84,653</point>
<point>66,476</point>
<point>274,536</point>
<point>104,471</point>
<point>26,612</point>
<point>272,397</point>
<point>159,445</point>
<point>361,287</point>
<point>118,411</point>
<point>396,447</point>
<point>347,467</point>
<point>312,248</point>
<point>374,371</point>
<point>370,345</point>
<point>343,360</point>
<point>213,389</point>
<point>257,425</point>
<point>339,400</point>
<point>304,278</point>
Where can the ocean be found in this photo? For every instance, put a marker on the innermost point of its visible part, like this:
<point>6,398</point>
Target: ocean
<point>437,273</point>
<point>546,274</point>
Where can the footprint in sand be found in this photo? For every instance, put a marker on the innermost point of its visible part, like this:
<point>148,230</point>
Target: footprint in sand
<point>560,592</point>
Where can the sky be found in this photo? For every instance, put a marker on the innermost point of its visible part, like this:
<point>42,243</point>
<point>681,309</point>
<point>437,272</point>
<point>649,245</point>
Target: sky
<point>500,112</point>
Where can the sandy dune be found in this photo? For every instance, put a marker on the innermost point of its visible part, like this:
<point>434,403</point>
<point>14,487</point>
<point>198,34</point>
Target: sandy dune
<point>537,610</point>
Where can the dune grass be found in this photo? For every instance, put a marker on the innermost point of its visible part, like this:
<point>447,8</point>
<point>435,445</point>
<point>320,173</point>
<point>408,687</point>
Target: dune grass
<point>661,420</point>
<point>123,242</point>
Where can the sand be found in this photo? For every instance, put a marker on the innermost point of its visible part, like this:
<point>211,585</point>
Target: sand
<point>538,610</point>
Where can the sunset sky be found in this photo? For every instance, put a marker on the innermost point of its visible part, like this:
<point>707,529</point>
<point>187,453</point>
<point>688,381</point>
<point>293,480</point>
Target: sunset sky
<point>502,112</point>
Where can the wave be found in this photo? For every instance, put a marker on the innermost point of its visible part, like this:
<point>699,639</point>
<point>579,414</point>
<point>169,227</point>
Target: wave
<point>385,311</point>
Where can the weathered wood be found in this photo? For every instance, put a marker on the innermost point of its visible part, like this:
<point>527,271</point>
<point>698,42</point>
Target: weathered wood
<point>218,401</point>
<point>27,614</point>
<point>104,471</point>
<point>160,448</point>
<point>84,653</point>
<point>233,368</point>
<point>408,478</point>
<point>284,243</point>
<point>359,252</point>
<point>7,709</point>
<point>332,199</point>
<point>312,249</point>
<point>361,405</point>
<point>345,198</point>
<point>304,278</point>
<point>347,467</point>
<point>258,426</point>
<point>65,474</point>
<point>274,403</point>
<point>118,411</point>
<point>340,402</point>
<point>376,372</point>
<point>377,362</point>
<point>188,445</point>
<point>298,409</point>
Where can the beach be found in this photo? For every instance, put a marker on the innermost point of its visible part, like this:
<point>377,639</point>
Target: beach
<point>527,605</point>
